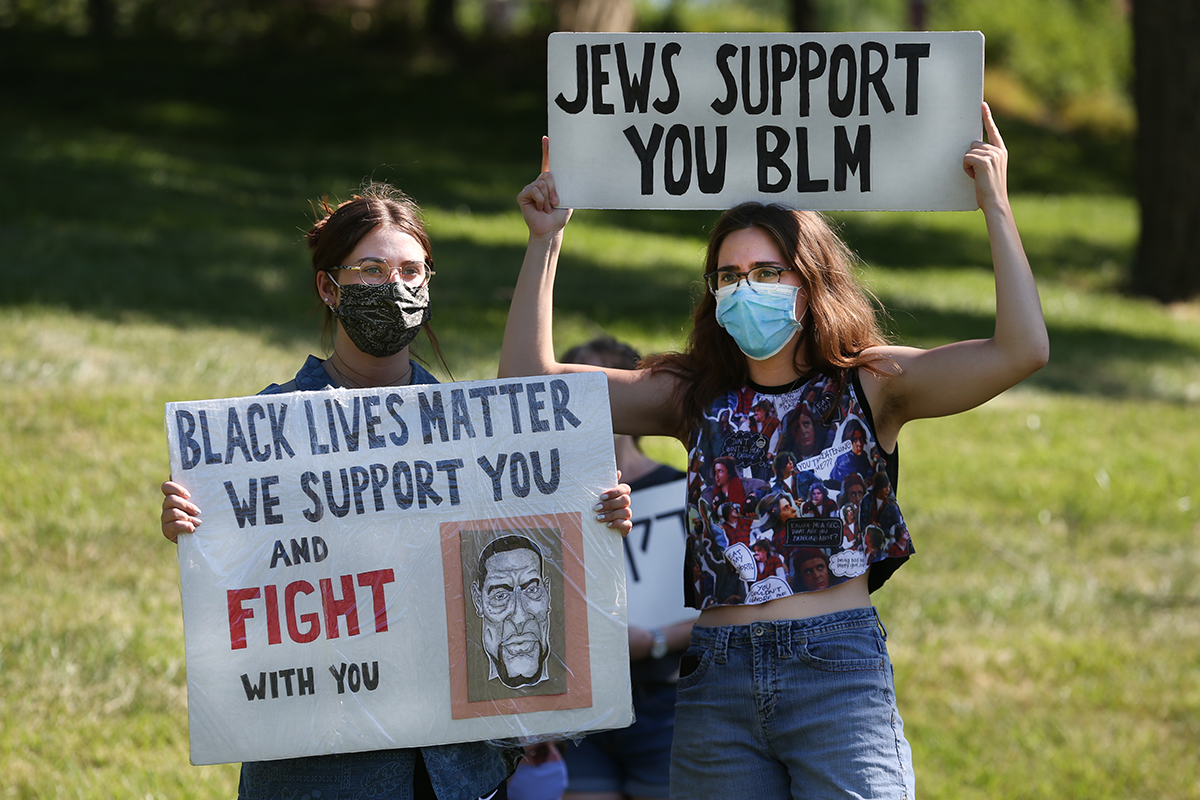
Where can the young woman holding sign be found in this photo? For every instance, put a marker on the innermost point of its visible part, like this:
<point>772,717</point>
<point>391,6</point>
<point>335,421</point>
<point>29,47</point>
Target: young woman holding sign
<point>786,689</point>
<point>372,267</point>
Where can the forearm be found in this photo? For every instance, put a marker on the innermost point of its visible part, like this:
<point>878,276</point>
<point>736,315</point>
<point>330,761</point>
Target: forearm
<point>641,402</point>
<point>959,376</point>
<point>528,347</point>
<point>677,636</point>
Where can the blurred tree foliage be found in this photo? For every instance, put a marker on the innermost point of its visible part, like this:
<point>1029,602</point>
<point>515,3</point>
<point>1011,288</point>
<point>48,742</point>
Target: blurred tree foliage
<point>1060,69</point>
<point>1064,65</point>
<point>223,21</point>
<point>1059,48</point>
<point>1067,62</point>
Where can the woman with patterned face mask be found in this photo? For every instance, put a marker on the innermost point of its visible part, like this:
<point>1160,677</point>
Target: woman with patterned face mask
<point>788,692</point>
<point>372,272</point>
<point>372,267</point>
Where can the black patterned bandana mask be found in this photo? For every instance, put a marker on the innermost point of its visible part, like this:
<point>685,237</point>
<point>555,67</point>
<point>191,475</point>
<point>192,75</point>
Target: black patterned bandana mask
<point>382,320</point>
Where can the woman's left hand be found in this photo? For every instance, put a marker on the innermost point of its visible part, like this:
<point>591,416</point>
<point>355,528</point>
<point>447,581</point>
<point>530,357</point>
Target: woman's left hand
<point>987,164</point>
<point>613,508</point>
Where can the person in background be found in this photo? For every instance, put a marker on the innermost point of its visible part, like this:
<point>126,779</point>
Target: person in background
<point>541,775</point>
<point>372,265</point>
<point>633,762</point>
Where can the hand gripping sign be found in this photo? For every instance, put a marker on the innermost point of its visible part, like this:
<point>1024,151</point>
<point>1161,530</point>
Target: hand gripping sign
<point>856,121</point>
<point>398,567</point>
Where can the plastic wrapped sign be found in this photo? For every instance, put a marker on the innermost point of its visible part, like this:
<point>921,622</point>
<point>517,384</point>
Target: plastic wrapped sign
<point>399,567</point>
<point>861,121</point>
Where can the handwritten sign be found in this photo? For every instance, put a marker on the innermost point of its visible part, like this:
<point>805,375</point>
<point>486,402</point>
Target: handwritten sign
<point>862,121</point>
<point>399,567</point>
<point>654,552</point>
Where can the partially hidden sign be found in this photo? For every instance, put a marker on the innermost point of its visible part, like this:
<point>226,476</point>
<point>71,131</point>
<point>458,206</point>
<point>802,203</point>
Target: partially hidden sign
<point>398,567</point>
<point>855,121</point>
<point>654,553</point>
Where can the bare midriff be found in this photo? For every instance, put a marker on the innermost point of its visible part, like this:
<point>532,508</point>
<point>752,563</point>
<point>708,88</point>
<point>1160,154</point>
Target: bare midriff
<point>851,594</point>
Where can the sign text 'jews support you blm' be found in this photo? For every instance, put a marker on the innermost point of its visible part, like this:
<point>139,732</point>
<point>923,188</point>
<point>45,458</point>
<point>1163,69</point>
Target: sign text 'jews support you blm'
<point>856,121</point>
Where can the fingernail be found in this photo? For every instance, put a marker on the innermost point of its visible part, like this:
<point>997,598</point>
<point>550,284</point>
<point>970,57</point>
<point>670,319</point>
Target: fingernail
<point>600,518</point>
<point>598,506</point>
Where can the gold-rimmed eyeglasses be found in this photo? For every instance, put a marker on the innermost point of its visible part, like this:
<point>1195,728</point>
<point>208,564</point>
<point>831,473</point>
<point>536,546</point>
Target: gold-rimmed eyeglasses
<point>377,271</point>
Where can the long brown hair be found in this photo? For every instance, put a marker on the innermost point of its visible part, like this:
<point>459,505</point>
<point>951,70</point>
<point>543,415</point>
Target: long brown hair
<point>840,323</point>
<point>339,230</point>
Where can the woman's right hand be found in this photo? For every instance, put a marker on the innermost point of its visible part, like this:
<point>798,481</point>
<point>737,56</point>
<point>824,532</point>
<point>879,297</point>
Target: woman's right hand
<point>179,515</point>
<point>539,201</point>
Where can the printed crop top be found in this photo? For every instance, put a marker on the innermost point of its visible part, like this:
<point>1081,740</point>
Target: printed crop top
<point>789,491</point>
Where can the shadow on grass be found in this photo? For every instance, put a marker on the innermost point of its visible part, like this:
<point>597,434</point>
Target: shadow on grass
<point>172,182</point>
<point>331,114</point>
<point>1084,359</point>
<point>899,244</point>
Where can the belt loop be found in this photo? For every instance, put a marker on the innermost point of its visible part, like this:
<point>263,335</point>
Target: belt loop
<point>783,634</point>
<point>879,622</point>
<point>722,644</point>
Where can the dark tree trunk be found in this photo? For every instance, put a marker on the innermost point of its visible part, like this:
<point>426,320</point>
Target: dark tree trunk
<point>917,10</point>
<point>803,15</point>
<point>102,17</point>
<point>440,21</point>
<point>1166,36</point>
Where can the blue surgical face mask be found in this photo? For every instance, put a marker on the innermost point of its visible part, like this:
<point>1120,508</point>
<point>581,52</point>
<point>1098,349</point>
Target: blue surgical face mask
<point>760,317</point>
<point>545,781</point>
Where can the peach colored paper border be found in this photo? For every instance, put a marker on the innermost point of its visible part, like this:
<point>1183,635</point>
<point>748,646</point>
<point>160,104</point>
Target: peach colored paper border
<point>576,655</point>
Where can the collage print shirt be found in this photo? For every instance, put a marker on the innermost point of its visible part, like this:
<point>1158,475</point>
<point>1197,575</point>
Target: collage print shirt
<point>789,491</point>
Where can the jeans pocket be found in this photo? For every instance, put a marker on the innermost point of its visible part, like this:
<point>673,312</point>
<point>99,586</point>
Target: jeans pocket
<point>845,650</point>
<point>693,665</point>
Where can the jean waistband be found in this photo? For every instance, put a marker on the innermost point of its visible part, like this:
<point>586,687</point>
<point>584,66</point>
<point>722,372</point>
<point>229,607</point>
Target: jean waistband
<point>786,631</point>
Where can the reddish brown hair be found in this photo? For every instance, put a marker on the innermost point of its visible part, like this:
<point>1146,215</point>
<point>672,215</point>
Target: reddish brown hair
<point>339,230</point>
<point>840,322</point>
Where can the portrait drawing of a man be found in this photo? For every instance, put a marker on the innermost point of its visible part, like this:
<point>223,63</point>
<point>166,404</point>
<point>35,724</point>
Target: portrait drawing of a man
<point>511,595</point>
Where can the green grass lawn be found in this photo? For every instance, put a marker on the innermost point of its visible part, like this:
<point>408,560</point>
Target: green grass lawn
<point>1046,636</point>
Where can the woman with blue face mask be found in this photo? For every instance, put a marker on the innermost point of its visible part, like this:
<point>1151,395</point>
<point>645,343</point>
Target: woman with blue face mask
<point>372,267</point>
<point>786,690</point>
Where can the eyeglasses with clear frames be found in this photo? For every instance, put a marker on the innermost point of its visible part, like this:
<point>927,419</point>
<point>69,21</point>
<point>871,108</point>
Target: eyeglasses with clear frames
<point>724,278</point>
<point>377,271</point>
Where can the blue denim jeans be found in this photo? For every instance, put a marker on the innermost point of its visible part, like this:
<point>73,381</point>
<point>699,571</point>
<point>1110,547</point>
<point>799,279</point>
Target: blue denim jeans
<point>798,708</point>
<point>635,760</point>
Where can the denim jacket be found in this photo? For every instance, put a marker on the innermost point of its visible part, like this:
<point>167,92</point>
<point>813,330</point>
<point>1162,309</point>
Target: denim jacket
<point>457,771</point>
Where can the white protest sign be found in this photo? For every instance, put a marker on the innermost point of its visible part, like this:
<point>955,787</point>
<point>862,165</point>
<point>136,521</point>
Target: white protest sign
<point>654,550</point>
<point>397,567</point>
<point>856,121</point>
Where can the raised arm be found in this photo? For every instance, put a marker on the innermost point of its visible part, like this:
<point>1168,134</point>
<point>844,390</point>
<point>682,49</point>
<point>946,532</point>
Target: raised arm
<point>960,376</point>
<point>528,347</point>
<point>641,401</point>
